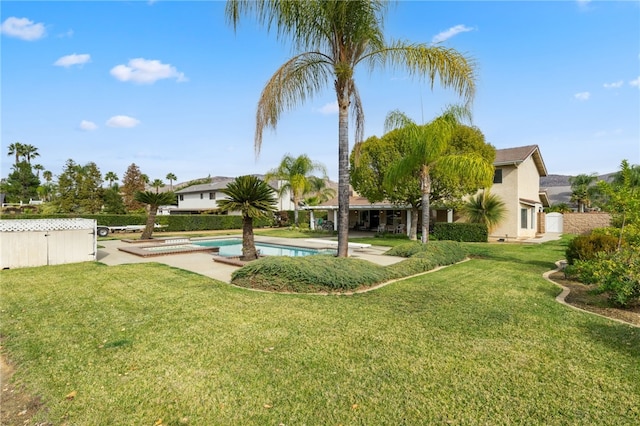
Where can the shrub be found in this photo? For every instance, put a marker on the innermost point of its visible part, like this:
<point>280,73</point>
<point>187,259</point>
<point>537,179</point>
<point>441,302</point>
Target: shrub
<point>631,233</point>
<point>425,257</point>
<point>618,275</point>
<point>468,232</point>
<point>585,247</point>
<point>320,273</point>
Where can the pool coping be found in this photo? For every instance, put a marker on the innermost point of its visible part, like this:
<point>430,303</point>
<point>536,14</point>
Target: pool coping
<point>179,249</point>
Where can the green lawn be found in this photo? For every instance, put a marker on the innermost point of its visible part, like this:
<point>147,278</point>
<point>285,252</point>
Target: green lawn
<point>481,342</point>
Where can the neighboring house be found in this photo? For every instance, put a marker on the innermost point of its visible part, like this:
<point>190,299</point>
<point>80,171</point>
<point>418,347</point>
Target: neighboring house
<point>202,198</point>
<point>516,182</point>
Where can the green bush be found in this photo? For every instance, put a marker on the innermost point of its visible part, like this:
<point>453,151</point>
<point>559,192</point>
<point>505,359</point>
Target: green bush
<point>617,274</point>
<point>425,257</point>
<point>467,232</point>
<point>320,273</point>
<point>586,247</point>
<point>631,233</point>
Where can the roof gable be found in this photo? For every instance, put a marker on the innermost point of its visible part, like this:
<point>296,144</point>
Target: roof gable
<point>516,156</point>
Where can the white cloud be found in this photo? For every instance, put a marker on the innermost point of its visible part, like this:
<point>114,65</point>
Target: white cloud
<point>69,60</point>
<point>122,121</point>
<point>22,28</point>
<point>328,109</point>
<point>447,34</point>
<point>146,71</point>
<point>582,96</point>
<point>635,83</point>
<point>614,85</point>
<point>87,125</point>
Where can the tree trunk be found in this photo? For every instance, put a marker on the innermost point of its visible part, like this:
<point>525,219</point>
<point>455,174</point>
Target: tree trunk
<point>151,222</point>
<point>295,211</point>
<point>413,233</point>
<point>343,173</point>
<point>426,207</point>
<point>248,245</point>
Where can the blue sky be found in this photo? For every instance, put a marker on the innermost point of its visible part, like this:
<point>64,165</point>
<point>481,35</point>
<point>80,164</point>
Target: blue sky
<point>169,86</point>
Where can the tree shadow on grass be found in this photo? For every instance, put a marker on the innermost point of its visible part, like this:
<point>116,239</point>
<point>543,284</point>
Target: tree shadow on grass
<point>622,338</point>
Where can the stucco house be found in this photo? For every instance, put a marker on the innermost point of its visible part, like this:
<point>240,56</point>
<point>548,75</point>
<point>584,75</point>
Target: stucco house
<point>202,198</point>
<point>516,182</point>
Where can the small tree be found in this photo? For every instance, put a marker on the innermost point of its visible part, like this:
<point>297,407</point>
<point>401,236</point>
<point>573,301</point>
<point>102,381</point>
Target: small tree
<point>254,198</point>
<point>582,190</point>
<point>153,200</point>
<point>157,184</point>
<point>111,177</point>
<point>171,177</point>
<point>132,183</point>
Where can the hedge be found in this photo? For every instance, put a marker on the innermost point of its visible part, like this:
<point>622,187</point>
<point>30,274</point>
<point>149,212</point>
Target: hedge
<point>171,223</point>
<point>466,232</point>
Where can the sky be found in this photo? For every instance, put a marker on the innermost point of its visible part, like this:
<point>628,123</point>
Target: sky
<point>171,87</point>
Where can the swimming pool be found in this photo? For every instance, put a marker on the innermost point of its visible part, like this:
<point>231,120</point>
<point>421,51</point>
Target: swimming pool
<point>233,247</point>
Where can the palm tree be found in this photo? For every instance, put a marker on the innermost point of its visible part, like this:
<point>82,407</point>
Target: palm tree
<point>153,200</point>
<point>29,152</point>
<point>427,151</point>
<point>157,184</point>
<point>254,198</point>
<point>319,192</point>
<point>485,208</point>
<point>47,175</point>
<point>335,38</point>
<point>38,168</point>
<point>111,177</point>
<point>16,149</point>
<point>171,177</point>
<point>582,189</point>
<point>294,173</point>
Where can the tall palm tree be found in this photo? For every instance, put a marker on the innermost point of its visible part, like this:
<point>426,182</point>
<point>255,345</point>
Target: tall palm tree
<point>16,149</point>
<point>157,184</point>
<point>335,38</point>
<point>29,152</point>
<point>254,198</point>
<point>428,151</point>
<point>47,175</point>
<point>38,168</point>
<point>111,177</point>
<point>294,174</point>
<point>171,177</point>
<point>153,200</point>
<point>582,189</point>
<point>486,208</point>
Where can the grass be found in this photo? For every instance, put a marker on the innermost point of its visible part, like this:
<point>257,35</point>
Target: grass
<point>482,342</point>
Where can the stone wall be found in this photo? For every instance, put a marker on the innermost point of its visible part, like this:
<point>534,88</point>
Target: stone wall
<point>583,223</point>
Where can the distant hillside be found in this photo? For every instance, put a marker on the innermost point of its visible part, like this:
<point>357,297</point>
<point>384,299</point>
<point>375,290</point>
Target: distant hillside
<point>559,189</point>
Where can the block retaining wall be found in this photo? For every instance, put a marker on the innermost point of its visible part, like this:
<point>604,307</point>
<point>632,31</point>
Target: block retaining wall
<point>583,223</point>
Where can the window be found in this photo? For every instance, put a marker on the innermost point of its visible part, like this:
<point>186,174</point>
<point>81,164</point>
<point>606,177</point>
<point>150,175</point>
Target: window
<point>201,196</point>
<point>212,195</point>
<point>181,197</point>
<point>523,218</point>
<point>533,217</point>
<point>497,176</point>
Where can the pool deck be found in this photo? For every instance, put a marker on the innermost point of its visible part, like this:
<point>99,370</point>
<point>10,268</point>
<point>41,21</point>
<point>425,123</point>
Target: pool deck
<point>202,263</point>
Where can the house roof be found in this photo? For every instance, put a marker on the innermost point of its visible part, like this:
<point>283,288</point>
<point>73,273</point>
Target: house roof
<point>515,156</point>
<point>206,187</point>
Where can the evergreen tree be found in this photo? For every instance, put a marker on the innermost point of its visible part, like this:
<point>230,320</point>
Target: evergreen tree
<point>21,184</point>
<point>133,182</point>
<point>113,203</point>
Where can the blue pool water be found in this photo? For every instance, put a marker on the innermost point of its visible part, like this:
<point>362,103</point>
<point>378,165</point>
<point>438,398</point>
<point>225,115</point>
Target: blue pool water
<point>233,247</point>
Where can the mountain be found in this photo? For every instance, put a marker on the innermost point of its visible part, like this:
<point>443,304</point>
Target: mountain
<point>559,189</point>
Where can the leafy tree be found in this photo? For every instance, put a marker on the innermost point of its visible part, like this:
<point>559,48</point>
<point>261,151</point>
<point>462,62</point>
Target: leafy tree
<point>21,184</point>
<point>582,190</point>
<point>428,155</point>
<point>111,177</point>
<point>79,188</point>
<point>153,200</point>
<point>486,208</point>
<point>623,197</point>
<point>254,198</point>
<point>171,177</point>
<point>157,184</point>
<point>132,182</point>
<point>558,208</point>
<point>334,39</point>
<point>16,149</point>
<point>294,174</point>
<point>113,203</point>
